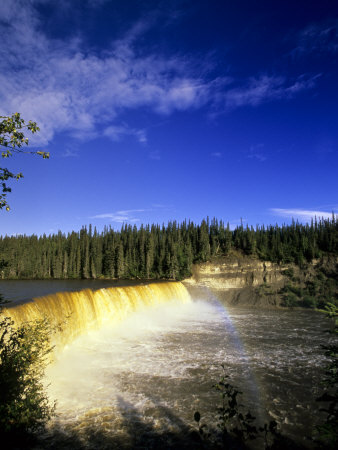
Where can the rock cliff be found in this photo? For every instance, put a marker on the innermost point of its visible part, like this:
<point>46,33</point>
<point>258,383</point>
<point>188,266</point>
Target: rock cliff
<point>239,280</point>
<point>247,281</point>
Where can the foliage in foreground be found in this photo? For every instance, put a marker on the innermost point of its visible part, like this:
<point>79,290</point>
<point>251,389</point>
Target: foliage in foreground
<point>24,354</point>
<point>233,426</point>
<point>328,431</point>
<point>12,140</point>
<point>24,351</point>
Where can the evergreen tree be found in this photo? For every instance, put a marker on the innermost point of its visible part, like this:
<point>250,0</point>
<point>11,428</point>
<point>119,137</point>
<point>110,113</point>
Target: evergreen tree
<point>159,251</point>
<point>119,261</point>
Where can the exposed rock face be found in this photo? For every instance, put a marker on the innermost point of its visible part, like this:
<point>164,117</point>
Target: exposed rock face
<point>239,280</point>
<point>246,281</point>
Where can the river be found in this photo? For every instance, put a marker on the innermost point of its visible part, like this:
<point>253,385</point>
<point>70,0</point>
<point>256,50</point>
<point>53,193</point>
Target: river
<point>138,384</point>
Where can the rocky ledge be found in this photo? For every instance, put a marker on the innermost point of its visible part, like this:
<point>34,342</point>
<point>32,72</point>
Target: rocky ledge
<point>239,280</point>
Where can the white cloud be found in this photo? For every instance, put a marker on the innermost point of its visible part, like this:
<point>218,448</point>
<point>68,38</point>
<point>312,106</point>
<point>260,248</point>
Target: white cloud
<point>71,150</point>
<point>64,88</point>
<point>301,214</point>
<point>266,88</point>
<point>216,154</point>
<point>121,216</point>
<point>117,132</point>
<point>67,87</point>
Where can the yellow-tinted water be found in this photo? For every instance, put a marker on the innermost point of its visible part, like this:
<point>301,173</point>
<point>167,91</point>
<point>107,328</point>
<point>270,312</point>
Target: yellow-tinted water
<point>146,357</point>
<point>79,312</point>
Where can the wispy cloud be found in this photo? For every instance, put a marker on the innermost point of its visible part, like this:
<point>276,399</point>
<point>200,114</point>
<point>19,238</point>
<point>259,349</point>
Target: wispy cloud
<point>70,152</point>
<point>256,152</point>
<point>216,154</point>
<point>317,38</point>
<point>132,215</point>
<point>155,155</point>
<point>302,214</point>
<point>267,88</point>
<point>121,216</point>
<point>117,132</point>
<point>68,87</point>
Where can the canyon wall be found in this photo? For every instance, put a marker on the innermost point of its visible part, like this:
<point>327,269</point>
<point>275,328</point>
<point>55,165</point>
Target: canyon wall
<point>239,280</point>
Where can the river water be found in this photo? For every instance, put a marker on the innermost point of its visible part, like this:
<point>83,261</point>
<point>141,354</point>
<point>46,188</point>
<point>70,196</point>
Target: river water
<point>137,385</point>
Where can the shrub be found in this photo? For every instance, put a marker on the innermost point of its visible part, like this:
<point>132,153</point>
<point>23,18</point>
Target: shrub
<point>309,302</point>
<point>24,354</point>
<point>297,290</point>
<point>327,433</point>
<point>234,427</point>
<point>289,272</point>
<point>290,300</point>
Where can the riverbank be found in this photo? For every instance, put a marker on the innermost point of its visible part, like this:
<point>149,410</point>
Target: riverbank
<point>239,280</point>
<point>235,280</point>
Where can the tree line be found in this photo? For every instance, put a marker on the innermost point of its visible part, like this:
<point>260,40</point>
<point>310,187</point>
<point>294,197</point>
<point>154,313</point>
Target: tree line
<point>154,251</point>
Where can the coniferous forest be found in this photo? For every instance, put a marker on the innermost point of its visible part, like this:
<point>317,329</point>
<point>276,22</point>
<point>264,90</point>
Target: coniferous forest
<point>154,252</point>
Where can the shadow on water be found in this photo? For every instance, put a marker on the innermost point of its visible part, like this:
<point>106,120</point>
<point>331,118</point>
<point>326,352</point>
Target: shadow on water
<point>137,433</point>
<point>134,432</point>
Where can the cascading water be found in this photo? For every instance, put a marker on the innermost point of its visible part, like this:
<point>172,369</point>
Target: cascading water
<point>138,361</point>
<point>78,312</point>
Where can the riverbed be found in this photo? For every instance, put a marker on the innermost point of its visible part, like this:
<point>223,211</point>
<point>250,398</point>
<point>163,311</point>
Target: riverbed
<point>138,384</point>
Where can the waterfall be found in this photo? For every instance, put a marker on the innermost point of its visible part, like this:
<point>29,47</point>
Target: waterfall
<point>78,312</point>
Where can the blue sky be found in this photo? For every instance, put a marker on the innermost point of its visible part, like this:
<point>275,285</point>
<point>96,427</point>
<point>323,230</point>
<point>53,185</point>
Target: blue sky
<point>155,111</point>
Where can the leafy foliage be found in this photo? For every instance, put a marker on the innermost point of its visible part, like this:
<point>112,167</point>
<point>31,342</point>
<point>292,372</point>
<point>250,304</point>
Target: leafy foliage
<point>232,424</point>
<point>24,354</point>
<point>319,289</point>
<point>12,140</point>
<point>328,432</point>
<point>25,350</point>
